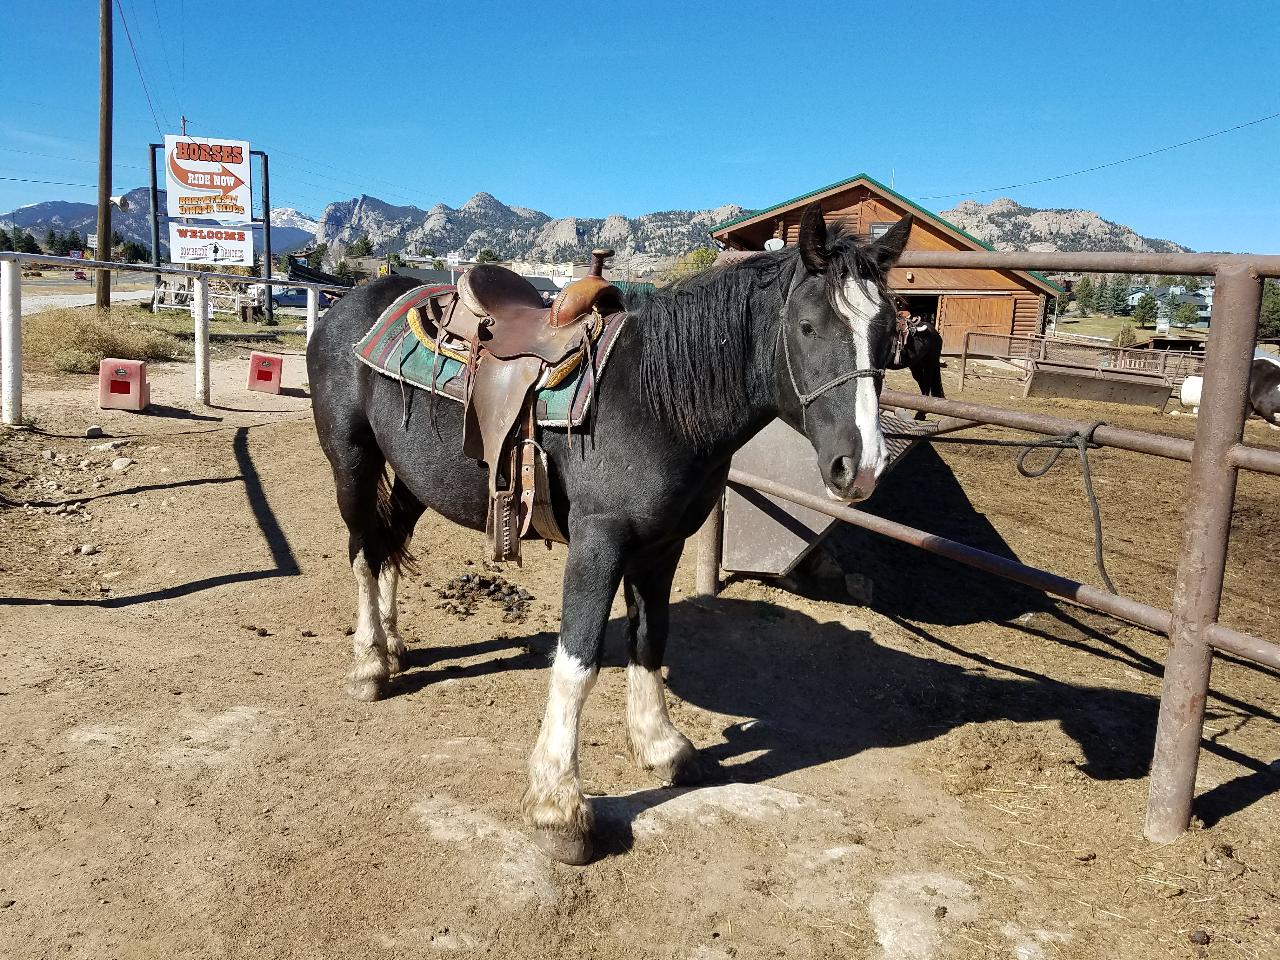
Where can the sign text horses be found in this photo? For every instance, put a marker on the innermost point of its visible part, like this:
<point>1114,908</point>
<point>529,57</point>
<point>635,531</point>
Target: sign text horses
<point>207,179</point>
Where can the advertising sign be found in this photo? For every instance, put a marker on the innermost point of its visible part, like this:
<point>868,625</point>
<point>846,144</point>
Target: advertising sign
<point>207,179</point>
<point>218,246</point>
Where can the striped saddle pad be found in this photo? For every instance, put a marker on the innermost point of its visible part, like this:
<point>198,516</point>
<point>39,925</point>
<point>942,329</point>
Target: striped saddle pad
<point>399,347</point>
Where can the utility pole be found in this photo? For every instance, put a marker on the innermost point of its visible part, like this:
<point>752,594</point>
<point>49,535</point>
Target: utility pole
<point>103,251</point>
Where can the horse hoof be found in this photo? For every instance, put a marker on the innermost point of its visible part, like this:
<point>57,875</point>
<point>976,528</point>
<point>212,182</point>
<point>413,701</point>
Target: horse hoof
<point>395,662</point>
<point>365,690</point>
<point>682,770</point>
<point>571,848</point>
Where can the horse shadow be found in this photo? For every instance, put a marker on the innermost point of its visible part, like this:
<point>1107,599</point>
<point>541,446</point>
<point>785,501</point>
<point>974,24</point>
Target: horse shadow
<point>819,692</point>
<point>910,583</point>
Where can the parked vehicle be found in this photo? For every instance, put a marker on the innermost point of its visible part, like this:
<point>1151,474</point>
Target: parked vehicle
<point>289,297</point>
<point>297,297</point>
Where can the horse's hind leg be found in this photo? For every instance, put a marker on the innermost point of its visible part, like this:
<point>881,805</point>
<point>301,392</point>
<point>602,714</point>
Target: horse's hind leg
<point>357,472</point>
<point>399,516</point>
<point>656,744</point>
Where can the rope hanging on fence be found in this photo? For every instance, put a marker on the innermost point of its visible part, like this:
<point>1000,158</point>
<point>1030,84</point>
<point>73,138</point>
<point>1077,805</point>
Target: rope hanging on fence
<point>1081,441</point>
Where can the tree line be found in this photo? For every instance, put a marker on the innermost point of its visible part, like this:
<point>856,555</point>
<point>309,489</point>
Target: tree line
<point>59,244</point>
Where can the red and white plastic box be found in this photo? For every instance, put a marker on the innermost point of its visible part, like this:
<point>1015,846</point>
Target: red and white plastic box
<point>265,370</point>
<point>122,385</point>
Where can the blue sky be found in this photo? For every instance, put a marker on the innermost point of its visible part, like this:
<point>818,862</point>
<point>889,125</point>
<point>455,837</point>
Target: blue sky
<point>591,108</point>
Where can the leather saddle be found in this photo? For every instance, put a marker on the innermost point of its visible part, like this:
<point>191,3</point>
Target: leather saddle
<point>514,344</point>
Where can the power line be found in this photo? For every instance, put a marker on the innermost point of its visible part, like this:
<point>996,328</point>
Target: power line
<point>164,50</point>
<point>50,156</point>
<point>52,183</point>
<point>1103,166</point>
<point>137,63</point>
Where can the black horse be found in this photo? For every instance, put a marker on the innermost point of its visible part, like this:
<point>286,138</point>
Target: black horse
<point>803,333</point>
<point>1264,387</point>
<point>918,346</point>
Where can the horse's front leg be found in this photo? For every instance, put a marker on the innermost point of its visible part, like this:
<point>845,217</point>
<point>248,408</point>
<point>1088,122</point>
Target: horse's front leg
<point>656,744</point>
<point>553,804</point>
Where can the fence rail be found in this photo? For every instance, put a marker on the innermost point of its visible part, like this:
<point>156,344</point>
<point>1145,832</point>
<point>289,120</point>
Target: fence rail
<point>1216,455</point>
<point>11,315</point>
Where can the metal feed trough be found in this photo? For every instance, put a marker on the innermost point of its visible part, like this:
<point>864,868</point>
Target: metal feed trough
<point>1216,455</point>
<point>1053,367</point>
<point>769,535</point>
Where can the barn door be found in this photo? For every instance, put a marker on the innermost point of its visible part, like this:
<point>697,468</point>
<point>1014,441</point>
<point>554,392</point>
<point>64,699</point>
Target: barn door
<point>958,315</point>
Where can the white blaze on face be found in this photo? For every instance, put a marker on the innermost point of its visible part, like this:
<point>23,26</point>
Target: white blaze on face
<point>860,303</point>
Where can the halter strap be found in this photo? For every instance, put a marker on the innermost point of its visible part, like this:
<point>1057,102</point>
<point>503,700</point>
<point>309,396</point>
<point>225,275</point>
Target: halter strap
<point>808,398</point>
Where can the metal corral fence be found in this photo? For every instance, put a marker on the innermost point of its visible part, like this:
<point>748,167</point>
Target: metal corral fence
<point>11,316</point>
<point>1215,457</point>
<point>1021,353</point>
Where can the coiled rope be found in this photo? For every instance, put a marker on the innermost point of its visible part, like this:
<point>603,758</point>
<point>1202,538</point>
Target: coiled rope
<point>1081,441</point>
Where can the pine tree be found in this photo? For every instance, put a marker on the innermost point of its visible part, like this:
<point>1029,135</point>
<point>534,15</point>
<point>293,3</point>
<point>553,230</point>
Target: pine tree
<point>1119,296</point>
<point>1144,314</point>
<point>51,240</point>
<point>1102,295</point>
<point>1269,320</point>
<point>1085,295</point>
<point>27,243</point>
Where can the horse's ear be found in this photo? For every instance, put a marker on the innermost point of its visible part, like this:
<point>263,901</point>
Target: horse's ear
<point>813,238</point>
<point>889,248</point>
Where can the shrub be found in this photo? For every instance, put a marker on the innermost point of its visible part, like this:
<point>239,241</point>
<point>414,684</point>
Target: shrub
<point>1125,337</point>
<point>76,340</point>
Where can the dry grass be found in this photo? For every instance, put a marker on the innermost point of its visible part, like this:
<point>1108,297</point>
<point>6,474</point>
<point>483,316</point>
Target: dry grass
<point>77,339</point>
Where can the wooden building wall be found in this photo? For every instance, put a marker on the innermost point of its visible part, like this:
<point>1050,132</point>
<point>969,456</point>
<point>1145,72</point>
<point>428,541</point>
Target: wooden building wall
<point>992,300</point>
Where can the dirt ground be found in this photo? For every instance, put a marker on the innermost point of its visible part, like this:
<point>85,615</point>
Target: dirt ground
<point>955,771</point>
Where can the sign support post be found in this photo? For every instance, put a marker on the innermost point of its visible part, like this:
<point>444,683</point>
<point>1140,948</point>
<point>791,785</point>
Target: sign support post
<point>266,232</point>
<point>155,228</point>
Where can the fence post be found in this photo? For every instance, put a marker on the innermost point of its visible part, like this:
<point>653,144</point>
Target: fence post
<point>11,339</point>
<point>200,306</point>
<point>707,576</point>
<point>1197,590</point>
<point>964,361</point>
<point>313,310</point>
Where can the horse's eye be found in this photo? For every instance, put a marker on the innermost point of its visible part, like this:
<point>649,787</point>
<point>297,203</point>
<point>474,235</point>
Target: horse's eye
<point>806,328</point>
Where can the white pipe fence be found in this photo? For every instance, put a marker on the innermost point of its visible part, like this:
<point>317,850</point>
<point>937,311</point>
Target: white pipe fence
<point>11,316</point>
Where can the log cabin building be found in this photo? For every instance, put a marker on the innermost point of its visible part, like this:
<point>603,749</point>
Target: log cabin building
<point>992,301</point>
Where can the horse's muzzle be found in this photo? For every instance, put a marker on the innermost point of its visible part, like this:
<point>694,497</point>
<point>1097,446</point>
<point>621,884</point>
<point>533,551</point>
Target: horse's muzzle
<point>849,481</point>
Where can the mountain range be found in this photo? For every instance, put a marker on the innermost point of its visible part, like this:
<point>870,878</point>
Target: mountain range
<point>517,232</point>
<point>1007,225</point>
<point>644,244</point>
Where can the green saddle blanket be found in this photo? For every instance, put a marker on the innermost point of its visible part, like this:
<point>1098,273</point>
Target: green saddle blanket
<point>393,348</point>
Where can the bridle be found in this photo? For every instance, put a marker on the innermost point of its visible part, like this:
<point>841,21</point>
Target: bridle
<point>808,398</point>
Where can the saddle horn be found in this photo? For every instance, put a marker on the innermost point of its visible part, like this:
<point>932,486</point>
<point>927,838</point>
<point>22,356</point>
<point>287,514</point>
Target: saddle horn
<point>598,257</point>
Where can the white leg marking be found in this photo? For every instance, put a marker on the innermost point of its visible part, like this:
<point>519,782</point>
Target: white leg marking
<point>860,303</point>
<point>388,581</point>
<point>657,744</point>
<point>554,799</point>
<point>369,671</point>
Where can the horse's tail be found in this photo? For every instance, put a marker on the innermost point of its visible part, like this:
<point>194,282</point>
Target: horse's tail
<point>397,513</point>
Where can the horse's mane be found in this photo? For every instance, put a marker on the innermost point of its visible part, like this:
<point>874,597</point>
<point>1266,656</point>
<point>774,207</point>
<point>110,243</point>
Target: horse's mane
<point>696,334</point>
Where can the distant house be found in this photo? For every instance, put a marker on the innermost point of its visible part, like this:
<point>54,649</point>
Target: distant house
<point>990,301</point>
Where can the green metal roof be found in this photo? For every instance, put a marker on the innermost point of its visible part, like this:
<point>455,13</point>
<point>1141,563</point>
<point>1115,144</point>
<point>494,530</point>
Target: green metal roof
<point>751,215</point>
